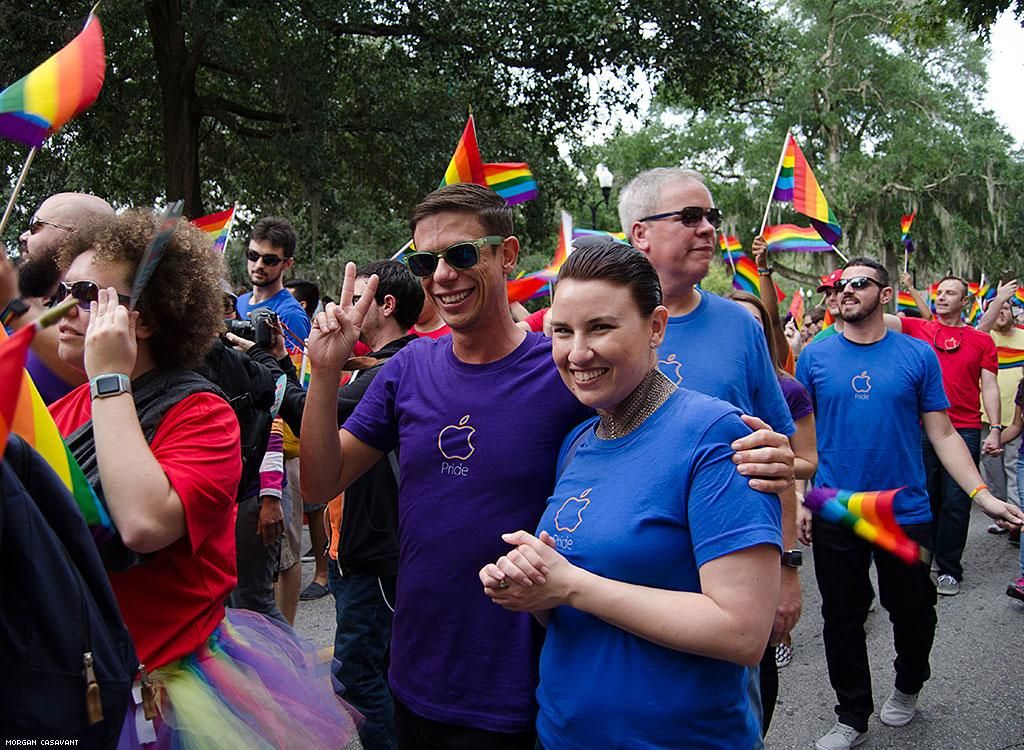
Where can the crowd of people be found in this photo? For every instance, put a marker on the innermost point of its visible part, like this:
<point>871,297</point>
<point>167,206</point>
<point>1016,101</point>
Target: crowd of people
<point>578,528</point>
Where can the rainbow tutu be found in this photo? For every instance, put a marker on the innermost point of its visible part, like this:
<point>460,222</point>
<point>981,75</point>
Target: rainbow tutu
<point>254,684</point>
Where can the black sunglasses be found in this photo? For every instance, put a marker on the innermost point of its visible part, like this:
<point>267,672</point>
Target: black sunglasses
<point>690,216</point>
<point>857,283</point>
<point>36,225</point>
<point>948,345</point>
<point>461,255</point>
<point>85,292</point>
<point>268,260</point>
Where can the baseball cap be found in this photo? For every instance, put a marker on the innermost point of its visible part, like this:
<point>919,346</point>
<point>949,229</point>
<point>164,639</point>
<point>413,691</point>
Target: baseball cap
<point>829,280</point>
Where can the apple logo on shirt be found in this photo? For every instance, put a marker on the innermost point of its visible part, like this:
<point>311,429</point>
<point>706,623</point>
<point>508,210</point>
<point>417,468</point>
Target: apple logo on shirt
<point>456,441</point>
<point>570,515</point>
<point>667,366</point>
<point>861,385</point>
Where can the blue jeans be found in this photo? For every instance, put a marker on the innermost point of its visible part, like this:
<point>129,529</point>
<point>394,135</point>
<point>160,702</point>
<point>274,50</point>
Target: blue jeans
<point>361,643</point>
<point>951,507</point>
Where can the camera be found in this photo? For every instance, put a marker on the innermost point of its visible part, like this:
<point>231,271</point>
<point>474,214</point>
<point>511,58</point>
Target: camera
<point>259,328</point>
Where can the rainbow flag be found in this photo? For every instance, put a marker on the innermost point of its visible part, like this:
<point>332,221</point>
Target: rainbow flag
<point>466,165</point>
<point>1009,357</point>
<point>539,283</point>
<point>564,246</point>
<point>904,301</point>
<point>789,238</point>
<point>796,184</point>
<point>37,106</point>
<point>796,308</point>
<point>745,276</point>
<point>217,227</point>
<point>1018,296</point>
<point>527,287</point>
<point>730,243</point>
<point>23,412</point>
<point>578,232</point>
<point>869,515</point>
<point>905,222</point>
<point>513,181</point>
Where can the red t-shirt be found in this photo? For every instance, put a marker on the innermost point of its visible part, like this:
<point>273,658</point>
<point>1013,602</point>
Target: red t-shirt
<point>963,352</point>
<point>435,334</point>
<point>536,320</point>
<point>172,604</point>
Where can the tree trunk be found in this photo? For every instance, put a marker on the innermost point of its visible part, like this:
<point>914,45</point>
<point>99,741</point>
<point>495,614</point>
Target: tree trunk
<point>179,103</point>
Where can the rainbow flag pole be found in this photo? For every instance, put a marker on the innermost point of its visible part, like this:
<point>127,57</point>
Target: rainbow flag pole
<point>775,180</point>
<point>401,251</point>
<point>17,188</point>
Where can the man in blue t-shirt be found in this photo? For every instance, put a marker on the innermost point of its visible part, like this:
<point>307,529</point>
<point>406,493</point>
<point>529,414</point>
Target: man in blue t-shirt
<point>871,389</point>
<point>479,418</point>
<point>712,345</point>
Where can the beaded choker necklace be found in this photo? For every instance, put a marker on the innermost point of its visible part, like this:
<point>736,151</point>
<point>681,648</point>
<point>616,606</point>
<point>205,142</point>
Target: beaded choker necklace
<point>634,410</point>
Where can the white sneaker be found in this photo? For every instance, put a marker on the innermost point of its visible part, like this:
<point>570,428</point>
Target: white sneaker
<point>947,585</point>
<point>841,737</point>
<point>898,709</point>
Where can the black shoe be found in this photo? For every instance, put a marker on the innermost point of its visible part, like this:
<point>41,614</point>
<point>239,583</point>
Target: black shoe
<point>313,591</point>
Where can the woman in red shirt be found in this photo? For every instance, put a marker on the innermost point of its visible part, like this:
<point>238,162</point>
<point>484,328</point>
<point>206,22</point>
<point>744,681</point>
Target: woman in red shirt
<point>161,446</point>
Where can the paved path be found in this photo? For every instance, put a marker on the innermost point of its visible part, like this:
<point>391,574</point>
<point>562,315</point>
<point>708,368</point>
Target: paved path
<point>975,698</point>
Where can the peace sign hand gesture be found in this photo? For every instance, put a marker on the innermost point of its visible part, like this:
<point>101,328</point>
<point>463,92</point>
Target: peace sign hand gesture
<point>335,330</point>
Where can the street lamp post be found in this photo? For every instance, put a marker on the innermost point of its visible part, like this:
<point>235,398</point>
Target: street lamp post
<point>604,180</point>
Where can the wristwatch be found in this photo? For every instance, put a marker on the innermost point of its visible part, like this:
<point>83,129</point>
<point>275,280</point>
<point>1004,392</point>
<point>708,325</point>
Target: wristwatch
<point>111,384</point>
<point>793,558</point>
<point>765,271</point>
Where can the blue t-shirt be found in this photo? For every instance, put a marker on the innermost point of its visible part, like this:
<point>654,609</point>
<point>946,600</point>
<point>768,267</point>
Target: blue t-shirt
<point>288,310</point>
<point>719,350</point>
<point>650,509</point>
<point>868,400</point>
<point>477,451</point>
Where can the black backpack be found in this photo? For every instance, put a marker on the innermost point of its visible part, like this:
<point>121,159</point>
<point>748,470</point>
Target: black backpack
<point>57,611</point>
<point>249,387</point>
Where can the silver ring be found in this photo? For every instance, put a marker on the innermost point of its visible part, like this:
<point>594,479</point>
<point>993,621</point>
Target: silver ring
<point>503,583</point>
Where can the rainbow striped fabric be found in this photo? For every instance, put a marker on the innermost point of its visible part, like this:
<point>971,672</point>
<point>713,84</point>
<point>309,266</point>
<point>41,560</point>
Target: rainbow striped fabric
<point>217,227</point>
<point>578,232</point>
<point>730,243</point>
<point>869,515</point>
<point>904,301</point>
<point>513,181</point>
<point>23,412</point>
<point>36,106</point>
<point>905,222</point>
<point>1009,357</point>
<point>789,238</point>
<point>466,165</point>
<point>1018,296</point>
<point>796,308</point>
<point>796,184</point>
<point>745,274</point>
<point>539,283</point>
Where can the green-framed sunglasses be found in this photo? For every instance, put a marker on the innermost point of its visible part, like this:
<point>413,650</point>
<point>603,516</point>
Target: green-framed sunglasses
<point>461,255</point>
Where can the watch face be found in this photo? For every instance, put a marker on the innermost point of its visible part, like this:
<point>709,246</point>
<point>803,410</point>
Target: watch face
<point>108,386</point>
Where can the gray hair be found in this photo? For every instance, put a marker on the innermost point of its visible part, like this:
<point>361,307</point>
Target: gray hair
<point>640,197</point>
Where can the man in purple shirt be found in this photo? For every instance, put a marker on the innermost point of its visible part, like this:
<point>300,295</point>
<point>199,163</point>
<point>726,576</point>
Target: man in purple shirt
<point>478,419</point>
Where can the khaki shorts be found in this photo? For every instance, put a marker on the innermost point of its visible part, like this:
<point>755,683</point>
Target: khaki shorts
<point>291,547</point>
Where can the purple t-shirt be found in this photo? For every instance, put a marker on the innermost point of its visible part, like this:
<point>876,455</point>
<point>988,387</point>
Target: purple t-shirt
<point>477,451</point>
<point>797,398</point>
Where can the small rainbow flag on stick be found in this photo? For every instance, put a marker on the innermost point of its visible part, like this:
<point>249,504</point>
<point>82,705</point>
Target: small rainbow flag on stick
<point>38,105</point>
<point>905,222</point>
<point>539,283</point>
<point>795,183</point>
<point>466,165</point>
<point>905,301</point>
<point>217,227</point>
<point>513,181</point>
<point>870,516</point>
<point>796,309</point>
<point>789,238</point>
<point>730,243</point>
<point>23,412</point>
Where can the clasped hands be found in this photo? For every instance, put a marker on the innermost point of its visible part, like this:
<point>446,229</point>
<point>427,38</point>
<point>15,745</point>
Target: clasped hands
<point>532,577</point>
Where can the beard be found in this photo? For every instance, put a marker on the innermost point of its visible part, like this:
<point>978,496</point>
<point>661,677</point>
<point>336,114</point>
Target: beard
<point>865,310</point>
<point>38,277</point>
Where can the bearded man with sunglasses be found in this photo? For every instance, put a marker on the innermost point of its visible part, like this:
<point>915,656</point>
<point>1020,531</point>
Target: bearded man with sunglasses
<point>970,369</point>
<point>871,389</point>
<point>479,418</point>
<point>56,219</point>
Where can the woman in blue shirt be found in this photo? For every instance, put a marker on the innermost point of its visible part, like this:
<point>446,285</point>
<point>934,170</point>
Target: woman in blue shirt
<point>655,567</point>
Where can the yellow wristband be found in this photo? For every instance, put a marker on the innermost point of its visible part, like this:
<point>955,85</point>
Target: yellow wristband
<point>976,490</point>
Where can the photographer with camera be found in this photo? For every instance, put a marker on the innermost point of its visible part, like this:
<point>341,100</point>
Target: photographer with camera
<point>270,254</point>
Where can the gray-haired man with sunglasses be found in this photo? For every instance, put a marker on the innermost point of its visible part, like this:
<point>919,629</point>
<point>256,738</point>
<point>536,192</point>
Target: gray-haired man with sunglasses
<point>38,276</point>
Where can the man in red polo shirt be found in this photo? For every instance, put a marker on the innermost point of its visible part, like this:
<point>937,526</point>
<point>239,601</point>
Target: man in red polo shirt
<point>969,369</point>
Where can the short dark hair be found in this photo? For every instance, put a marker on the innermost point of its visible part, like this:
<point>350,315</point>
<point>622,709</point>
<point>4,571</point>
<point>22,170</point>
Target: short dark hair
<point>304,291</point>
<point>816,314</point>
<point>620,264</point>
<point>278,232</point>
<point>954,277</point>
<point>489,208</point>
<point>183,301</point>
<point>397,280</point>
<point>883,273</point>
